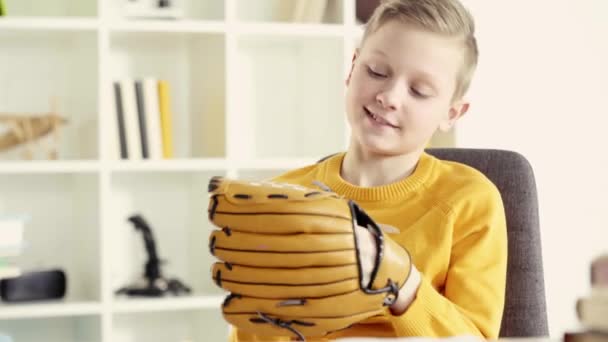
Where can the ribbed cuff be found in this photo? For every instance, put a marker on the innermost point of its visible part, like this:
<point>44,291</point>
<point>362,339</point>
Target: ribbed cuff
<point>418,317</point>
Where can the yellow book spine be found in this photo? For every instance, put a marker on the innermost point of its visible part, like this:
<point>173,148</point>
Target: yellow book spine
<point>165,119</point>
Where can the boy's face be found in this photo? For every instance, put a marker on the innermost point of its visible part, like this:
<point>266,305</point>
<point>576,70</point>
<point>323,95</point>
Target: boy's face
<point>400,89</point>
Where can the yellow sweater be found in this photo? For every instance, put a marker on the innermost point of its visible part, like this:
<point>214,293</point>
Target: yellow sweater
<point>451,219</point>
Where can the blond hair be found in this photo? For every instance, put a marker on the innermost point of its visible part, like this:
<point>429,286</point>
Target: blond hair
<point>445,17</point>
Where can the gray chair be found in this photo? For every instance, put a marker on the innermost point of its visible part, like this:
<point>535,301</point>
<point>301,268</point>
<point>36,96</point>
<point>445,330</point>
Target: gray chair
<point>525,311</point>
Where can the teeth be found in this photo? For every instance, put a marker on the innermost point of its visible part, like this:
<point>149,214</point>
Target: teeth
<point>376,118</point>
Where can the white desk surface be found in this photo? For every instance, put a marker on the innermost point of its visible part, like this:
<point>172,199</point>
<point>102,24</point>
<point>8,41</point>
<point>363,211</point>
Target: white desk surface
<point>448,339</point>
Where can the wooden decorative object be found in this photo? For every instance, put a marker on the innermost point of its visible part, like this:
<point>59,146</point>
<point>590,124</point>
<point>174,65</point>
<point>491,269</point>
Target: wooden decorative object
<point>27,129</point>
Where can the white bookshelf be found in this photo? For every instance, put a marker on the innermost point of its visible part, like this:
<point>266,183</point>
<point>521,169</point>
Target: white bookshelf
<point>253,95</point>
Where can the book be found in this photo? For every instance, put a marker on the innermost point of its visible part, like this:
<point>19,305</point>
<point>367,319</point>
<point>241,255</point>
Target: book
<point>129,106</point>
<point>152,105</point>
<point>141,116</point>
<point>117,130</point>
<point>166,118</point>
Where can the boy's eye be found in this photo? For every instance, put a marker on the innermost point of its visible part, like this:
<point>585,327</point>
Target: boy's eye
<point>373,73</point>
<point>418,93</point>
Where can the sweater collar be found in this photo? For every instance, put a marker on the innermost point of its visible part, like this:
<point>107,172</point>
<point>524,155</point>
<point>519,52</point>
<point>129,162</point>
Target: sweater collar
<point>396,190</point>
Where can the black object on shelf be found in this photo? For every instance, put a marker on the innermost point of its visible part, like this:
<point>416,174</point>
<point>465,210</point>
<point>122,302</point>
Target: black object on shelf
<point>153,284</point>
<point>33,286</point>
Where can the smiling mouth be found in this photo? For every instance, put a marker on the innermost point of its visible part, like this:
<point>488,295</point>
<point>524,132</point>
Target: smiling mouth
<point>379,120</point>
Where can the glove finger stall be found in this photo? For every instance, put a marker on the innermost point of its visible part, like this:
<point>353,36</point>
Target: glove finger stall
<point>250,322</point>
<point>274,221</point>
<point>279,291</point>
<point>331,306</point>
<point>236,240</point>
<point>286,259</point>
<point>284,277</point>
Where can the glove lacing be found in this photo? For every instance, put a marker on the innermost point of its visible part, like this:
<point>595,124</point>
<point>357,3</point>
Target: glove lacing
<point>282,324</point>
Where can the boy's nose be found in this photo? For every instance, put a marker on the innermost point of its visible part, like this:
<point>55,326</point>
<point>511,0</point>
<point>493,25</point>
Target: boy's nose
<point>388,98</point>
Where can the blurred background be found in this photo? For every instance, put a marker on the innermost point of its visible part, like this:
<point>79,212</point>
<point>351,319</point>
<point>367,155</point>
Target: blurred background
<point>116,108</point>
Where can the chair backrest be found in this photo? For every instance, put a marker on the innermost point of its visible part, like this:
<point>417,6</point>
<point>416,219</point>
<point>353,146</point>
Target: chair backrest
<point>525,312</point>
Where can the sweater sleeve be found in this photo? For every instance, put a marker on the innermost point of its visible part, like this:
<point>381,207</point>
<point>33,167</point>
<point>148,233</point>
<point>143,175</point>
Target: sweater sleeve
<point>471,301</point>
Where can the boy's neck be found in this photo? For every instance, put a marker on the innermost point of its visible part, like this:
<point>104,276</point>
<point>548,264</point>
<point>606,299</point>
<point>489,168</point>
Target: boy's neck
<point>366,169</point>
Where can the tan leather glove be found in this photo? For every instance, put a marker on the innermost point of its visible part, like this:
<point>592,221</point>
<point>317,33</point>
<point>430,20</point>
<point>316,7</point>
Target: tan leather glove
<point>290,261</point>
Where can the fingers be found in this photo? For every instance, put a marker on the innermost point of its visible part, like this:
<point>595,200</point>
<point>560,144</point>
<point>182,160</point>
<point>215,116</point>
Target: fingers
<point>286,283</point>
<point>265,207</point>
<point>367,250</point>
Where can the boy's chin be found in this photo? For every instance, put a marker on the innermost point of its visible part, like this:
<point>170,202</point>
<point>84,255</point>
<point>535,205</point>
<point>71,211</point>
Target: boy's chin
<point>382,146</point>
<point>378,147</point>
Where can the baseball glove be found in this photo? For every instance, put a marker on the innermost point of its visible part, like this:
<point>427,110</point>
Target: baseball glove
<point>290,259</point>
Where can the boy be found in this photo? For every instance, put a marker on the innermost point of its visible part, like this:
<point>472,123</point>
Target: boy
<point>407,80</point>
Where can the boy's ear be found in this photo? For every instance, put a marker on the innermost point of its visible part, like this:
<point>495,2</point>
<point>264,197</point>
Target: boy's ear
<point>352,65</point>
<point>456,111</point>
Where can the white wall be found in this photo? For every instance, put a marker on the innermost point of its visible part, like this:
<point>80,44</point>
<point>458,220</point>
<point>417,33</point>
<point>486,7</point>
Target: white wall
<point>541,90</point>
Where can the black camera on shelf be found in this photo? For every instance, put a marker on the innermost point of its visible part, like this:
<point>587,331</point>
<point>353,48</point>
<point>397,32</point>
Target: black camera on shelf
<point>33,286</point>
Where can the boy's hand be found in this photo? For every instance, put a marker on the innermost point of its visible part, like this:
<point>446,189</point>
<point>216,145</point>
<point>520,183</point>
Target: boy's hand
<point>366,248</point>
<point>367,255</point>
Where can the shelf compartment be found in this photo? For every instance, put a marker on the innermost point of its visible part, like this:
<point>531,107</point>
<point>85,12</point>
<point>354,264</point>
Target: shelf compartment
<point>61,230</point>
<point>175,206</point>
<point>288,11</point>
<point>196,79</point>
<point>39,67</point>
<point>56,329</point>
<point>287,92</point>
<point>192,325</point>
<point>51,8</point>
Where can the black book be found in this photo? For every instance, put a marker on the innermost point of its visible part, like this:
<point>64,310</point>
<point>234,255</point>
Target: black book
<point>120,118</point>
<point>141,113</point>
